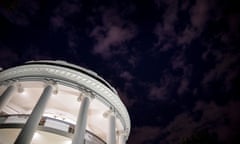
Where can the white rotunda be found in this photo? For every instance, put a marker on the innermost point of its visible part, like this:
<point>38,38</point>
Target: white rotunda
<point>54,102</point>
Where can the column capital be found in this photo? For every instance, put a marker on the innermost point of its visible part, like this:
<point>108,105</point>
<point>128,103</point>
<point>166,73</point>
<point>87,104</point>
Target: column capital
<point>19,87</point>
<point>53,84</point>
<point>122,132</point>
<point>85,94</point>
<point>109,113</point>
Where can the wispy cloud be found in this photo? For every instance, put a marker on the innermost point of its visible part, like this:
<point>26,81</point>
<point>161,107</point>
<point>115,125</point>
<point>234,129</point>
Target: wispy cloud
<point>185,124</point>
<point>165,30</point>
<point>204,116</point>
<point>175,79</point>
<point>126,76</point>
<point>63,11</point>
<point>184,86</point>
<point>20,12</point>
<point>162,90</point>
<point>168,32</point>
<point>226,68</point>
<point>199,14</point>
<point>179,63</point>
<point>181,127</point>
<point>57,21</point>
<point>112,35</point>
<point>159,93</point>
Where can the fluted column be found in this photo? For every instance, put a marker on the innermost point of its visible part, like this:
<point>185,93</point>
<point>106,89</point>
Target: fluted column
<point>6,96</point>
<point>27,132</point>
<point>80,127</point>
<point>111,137</point>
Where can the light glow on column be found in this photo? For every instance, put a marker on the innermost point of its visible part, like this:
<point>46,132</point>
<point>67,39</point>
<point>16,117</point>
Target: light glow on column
<point>36,136</point>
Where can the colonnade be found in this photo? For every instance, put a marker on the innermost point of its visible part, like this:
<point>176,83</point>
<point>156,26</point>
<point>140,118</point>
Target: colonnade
<point>26,134</point>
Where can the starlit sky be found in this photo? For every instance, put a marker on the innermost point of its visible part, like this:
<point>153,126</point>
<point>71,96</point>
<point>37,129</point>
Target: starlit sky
<point>174,63</point>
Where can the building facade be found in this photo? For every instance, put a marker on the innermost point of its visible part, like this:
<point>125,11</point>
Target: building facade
<point>61,103</point>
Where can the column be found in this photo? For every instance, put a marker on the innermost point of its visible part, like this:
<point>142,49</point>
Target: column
<point>6,96</point>
<point>27,132</point>
<point>111,137</point>
<point>122,139</point>
<point>80,128</point>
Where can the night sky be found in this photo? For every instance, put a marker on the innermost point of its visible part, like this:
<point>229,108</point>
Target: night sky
<point>174,63</point>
